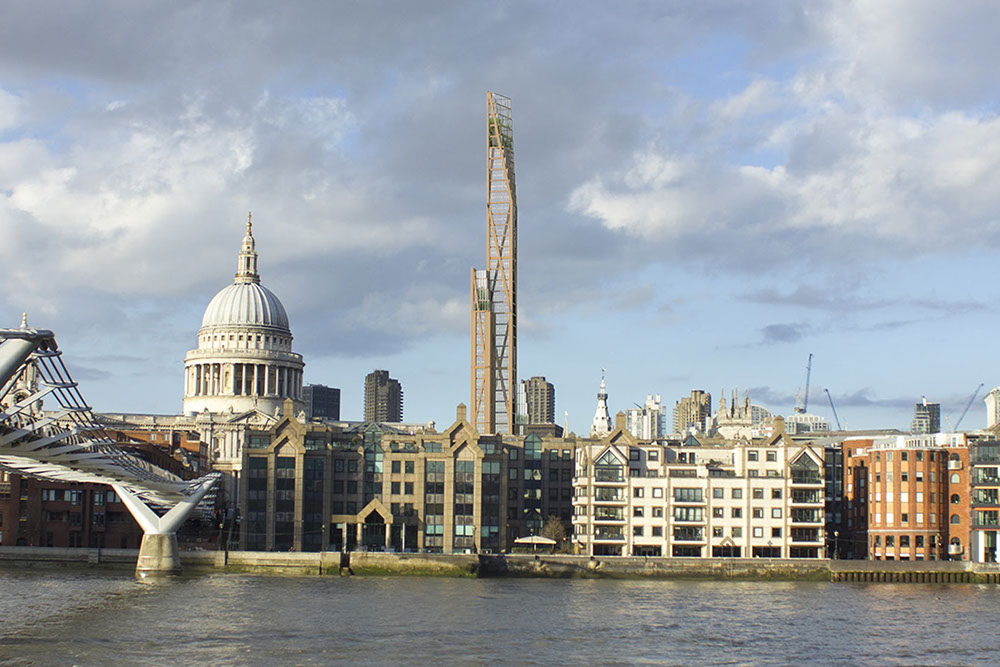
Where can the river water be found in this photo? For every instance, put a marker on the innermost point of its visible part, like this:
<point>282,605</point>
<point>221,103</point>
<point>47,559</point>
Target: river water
<point>82,618</point>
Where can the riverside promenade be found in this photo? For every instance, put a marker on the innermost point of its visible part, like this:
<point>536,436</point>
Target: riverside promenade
<point>358,563</point>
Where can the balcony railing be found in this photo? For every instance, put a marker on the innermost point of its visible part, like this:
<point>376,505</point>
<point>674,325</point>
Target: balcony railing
<point>806,478</point>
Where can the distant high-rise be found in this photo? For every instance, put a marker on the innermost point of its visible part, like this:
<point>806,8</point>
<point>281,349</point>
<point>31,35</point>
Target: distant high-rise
<point>383,398</point>
<point>494,289</point>
<point>926,417</point>
<point>992,401</point>
<point>321,402</point>
<point>539,403</point>
<point>647,422</point>
<point>692,411</point>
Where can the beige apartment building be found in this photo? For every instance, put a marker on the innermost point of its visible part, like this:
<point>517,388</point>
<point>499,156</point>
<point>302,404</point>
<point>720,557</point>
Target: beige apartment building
<point>763,499</point>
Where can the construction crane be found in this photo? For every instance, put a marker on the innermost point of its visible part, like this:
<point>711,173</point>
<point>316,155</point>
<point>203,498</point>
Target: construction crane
<point>805,399</point>
<point>968,405</point>
<point>839,428</point>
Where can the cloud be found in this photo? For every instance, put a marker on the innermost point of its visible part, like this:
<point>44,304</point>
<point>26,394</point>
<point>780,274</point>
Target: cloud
<point>783,333</point>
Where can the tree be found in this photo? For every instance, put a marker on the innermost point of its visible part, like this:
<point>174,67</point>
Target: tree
<point>554,529</point>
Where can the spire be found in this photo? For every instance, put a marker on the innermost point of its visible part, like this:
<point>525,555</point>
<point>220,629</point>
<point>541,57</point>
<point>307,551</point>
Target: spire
<point>246,268</point>
<point>602,418</point>
<point>24,320</point>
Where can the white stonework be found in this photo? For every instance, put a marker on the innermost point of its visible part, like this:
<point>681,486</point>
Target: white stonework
<point>602,418</point>
<point>244,360</point>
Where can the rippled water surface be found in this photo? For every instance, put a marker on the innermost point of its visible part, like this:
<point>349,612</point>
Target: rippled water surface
<point>93,619</point>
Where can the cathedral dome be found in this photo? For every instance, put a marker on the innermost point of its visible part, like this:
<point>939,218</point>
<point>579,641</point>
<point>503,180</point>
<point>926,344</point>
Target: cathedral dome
<point>246,304</point>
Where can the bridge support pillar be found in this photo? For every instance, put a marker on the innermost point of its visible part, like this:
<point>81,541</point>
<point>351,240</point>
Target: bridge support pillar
<point>159,554</point>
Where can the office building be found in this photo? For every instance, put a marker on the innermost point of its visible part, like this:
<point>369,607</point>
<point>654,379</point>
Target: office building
<point>647,422</point>
<point>321,402</point>
<point>494,289</point>
<point>383,398</point>
<point>906,497</point>
<point>926,418</point>
<point>538,402</point>
<point>691,412</point>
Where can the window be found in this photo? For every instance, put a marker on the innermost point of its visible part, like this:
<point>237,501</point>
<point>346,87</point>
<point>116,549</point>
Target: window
<point>758,494</point>
<point>736,531</point>
<point>776,532</point>
<point>920,517</point>
<point>955,478</point>
<point>408,467</point>
<point>637,511</point>
<point>903,457</point>
<point>637,492</point>
<point>657,512</point>
<point>776,494</point>
<point>689,514</point>
<point>904,540</point>
<point>657,493</point>
<point>408,488</point>
<point>718,493</point>
<point>395,487</point>
<point>751,455</point>
<point>657,531</point>
<point>904,518</point>
<point>553,455</point>
<point>919,540</point>
<point>686,495</point>
<point>717,531</point>
<point>956,519</point>
<point>352,465</point>
<point>890,540</point>
<point>737,512</point>
<point>758,512</point>
<point>758,532</point>
<point>717,512</point>
<point>772,456</point>
<point>955,499</point>
<point>633,454</point>
<point>637,531</point>
<point>775,512</point>
<point>397,466</point>
<point>920,496</point>
<point>737,493</point>
<point>338,465</point>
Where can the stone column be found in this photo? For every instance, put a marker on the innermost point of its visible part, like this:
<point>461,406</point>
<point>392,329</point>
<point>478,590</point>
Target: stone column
<point>402,542</point>
<point>388,536</point>
<point>359,534</point>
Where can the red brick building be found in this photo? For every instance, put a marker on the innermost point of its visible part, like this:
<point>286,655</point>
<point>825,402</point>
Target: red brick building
<point>906,497</point>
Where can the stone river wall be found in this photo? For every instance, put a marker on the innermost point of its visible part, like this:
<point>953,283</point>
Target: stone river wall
<point>516,565</point>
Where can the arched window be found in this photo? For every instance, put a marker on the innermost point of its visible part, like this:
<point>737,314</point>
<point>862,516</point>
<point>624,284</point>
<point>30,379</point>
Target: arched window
<point>955,519</point>
<point>954,478</point>
<point>955,499</point>
<point>956,541</point>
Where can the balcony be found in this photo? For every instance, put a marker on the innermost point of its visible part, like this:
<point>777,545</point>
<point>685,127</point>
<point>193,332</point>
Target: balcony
<point>807,535</point>
<point>955,549</point>
<point>607,514</point>
<point>807,498</point>
<point>689,535</point>
<point>608,535</point>
<point>806,478</point>
<point>954,465</point>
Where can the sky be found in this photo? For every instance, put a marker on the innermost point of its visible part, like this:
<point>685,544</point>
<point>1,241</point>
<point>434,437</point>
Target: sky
<point>708,192</point>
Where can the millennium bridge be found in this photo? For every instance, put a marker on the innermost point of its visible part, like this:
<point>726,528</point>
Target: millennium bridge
<point>67,444</point>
